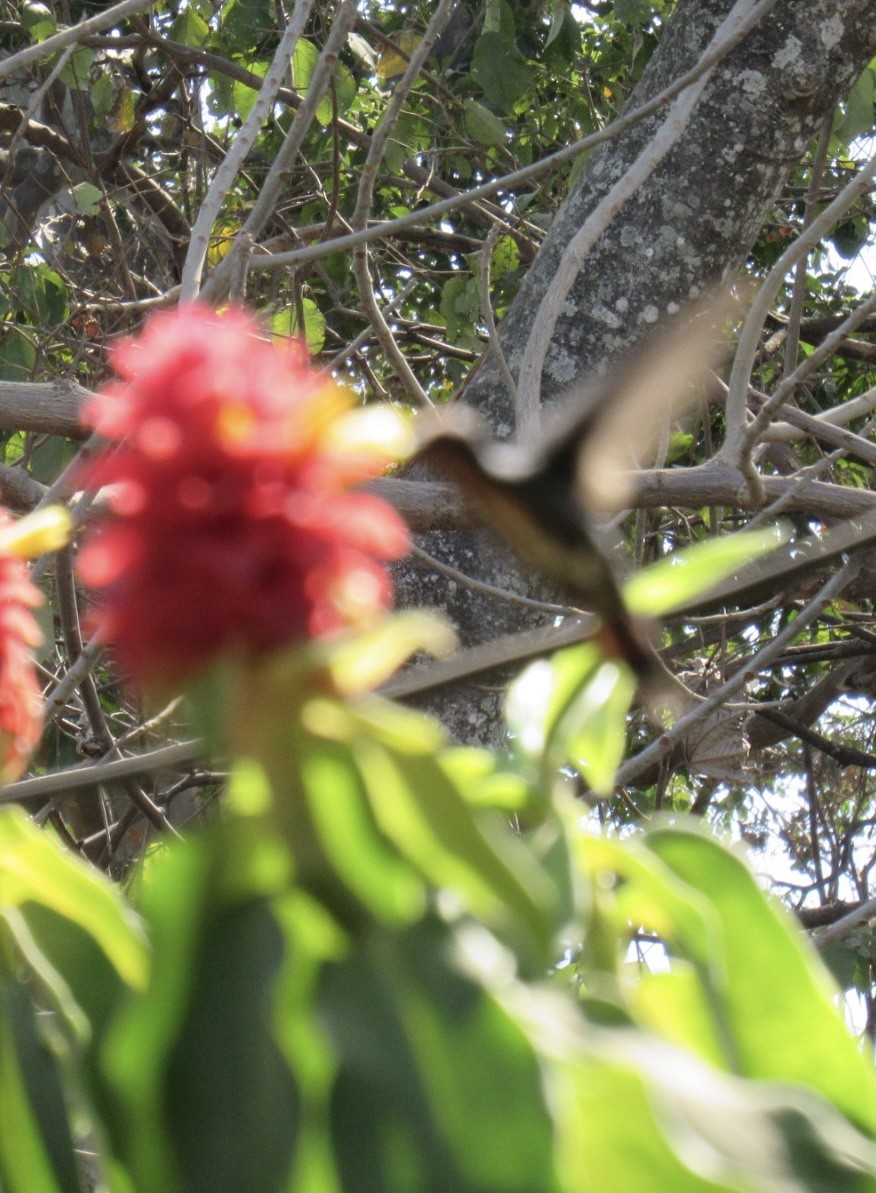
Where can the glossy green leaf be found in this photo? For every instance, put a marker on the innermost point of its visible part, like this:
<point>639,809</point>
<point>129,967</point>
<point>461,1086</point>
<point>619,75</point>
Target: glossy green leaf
<point>696,1130</point>
<point>35,869</point>
<point>419,809</point>
<point>356,849</point>
<point>592,731</point>
<point>438,1087</point>
<point>778,1003</point>
<point>677,578</point>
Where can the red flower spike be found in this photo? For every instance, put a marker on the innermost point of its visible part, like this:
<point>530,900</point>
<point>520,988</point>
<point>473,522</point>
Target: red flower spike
<point>234,525</point>
<point>20,700</point>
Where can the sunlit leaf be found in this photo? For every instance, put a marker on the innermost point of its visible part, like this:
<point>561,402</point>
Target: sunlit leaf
<point>355,848</point>
<point>363,663</point>
<point>285,323</point>
<point>775,991</point>
<point>391,64</point>
<point>37,19</point>
<point>663,586</point>
<point>593,728</point>
<point>190,28</point>
<point>33,868</point>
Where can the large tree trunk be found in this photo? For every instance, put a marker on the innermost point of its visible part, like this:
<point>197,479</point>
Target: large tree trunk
<point>690,224</point>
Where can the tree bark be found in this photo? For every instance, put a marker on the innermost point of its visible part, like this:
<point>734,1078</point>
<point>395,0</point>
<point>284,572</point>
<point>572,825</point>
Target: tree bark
<point>690,225</point>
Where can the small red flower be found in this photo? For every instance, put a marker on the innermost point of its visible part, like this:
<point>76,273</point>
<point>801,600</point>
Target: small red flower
<point>235,525</point>
<point>20,700</point>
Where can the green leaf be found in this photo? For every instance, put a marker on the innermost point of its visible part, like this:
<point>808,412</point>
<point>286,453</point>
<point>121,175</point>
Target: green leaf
<point>196,1093</point>
<point>483,125</point>
<point>37,19</point>
<point>245,23</point>
<point>304,59</point>
<point>633,12</point>
<point>227,95</point>
<point>499,18</point>
<point>35,869</point>
<point>76,72</point>
<point>285,324</point>
<point>36,1148</point>
<point>87,198</point>
<point>229,1099</point>
<point>651,895</point>
<point>361,664</point>
<point>665,585</point>
<point>460,307</point>
<point>695,1129</point>
<point>539,697</point>
<point>593,728</point>
<point>506,257</point>
<point>438,1087</point>
<point>410,136</point>
<point>500,70</point>
<point>419,809</point>
<point>850,236</point>
<point>857,117</point>
<point>345,87</point>
<point>354,845</point>
<point>572,708</point>
<point>17,354</point>
<point>190,28</point>
<point>479,777</point>
<point>775,990</point>
<point>102,99</point>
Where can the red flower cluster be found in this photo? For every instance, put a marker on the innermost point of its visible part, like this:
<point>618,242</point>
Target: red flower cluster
<point>235,528</point>
<point>20,700</point>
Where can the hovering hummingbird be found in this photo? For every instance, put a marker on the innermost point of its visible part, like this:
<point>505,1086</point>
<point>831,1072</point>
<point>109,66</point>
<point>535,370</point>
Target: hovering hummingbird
<point>540,497</point>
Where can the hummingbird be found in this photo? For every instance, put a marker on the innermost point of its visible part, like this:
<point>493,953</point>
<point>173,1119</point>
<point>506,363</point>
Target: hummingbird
<point>541,497</point>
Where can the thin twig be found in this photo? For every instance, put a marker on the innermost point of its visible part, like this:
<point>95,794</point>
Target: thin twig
<point>755,428</point>
<point>364,199</point>
<point>423,215</point>
<point>245,138</point>
<point>798,298</point>
<point>733,450</point>
<point>64,37</point>
<point>661,746</point>
<point>263,208</point>
<point>496,348</point>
